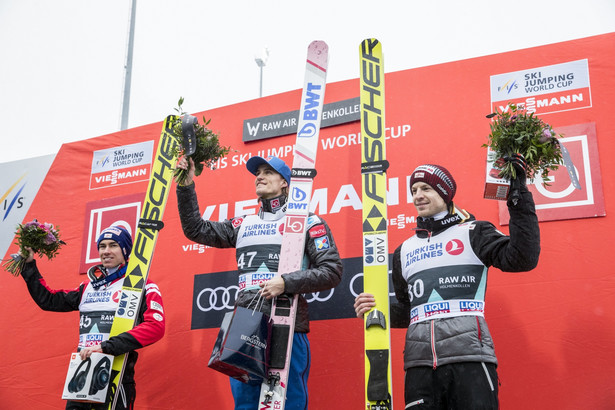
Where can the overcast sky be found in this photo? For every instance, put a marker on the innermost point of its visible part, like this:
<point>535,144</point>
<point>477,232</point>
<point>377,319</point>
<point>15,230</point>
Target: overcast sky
<point>61,67</point>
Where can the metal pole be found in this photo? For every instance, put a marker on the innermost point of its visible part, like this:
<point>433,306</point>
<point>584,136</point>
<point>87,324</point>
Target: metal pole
<point>128,67</point>
<point>260,94</point>
<point>261,60</point>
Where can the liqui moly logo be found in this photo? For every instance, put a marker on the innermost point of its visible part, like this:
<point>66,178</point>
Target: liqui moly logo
<point>414,315</point>
<point>471,306</point>
<point>436,308</point>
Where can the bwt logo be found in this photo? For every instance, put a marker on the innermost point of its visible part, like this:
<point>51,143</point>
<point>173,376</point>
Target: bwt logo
<point>298,194</point>
<point>311,111</point>
<point>471,306</point>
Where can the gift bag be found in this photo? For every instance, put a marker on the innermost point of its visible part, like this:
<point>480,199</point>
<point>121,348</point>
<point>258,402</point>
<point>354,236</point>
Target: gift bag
<point>242,348</point>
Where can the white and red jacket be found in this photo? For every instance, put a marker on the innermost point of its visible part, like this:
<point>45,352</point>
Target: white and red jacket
<point>97,309</point>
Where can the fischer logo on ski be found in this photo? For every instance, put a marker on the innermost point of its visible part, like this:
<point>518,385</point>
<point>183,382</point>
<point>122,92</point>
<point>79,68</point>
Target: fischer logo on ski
<point>283,311</point>
<point>143,248</point>
<point>378,392</point>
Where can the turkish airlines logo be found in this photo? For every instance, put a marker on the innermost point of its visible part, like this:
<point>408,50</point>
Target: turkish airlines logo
<point>454,247</point>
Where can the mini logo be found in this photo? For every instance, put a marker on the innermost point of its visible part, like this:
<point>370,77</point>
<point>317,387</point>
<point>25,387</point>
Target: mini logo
<point>116,296</point>
<point>454,247</point>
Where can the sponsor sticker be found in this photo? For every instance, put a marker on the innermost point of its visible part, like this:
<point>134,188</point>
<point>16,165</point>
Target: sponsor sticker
<point>156,306</point>
<point>322,243</point>
<point>318,230</point>
<point>128,305</point>
<point>236,222</point>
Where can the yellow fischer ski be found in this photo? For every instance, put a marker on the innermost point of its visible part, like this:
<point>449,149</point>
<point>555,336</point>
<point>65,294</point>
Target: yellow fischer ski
<point>378,389</point>
<point>143,247</point>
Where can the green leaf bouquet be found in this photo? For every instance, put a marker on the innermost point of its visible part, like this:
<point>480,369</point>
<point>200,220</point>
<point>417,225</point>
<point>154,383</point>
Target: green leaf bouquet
<point>515,131</point>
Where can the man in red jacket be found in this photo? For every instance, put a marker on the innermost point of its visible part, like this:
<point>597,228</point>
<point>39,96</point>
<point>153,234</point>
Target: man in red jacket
<point>96,300</point>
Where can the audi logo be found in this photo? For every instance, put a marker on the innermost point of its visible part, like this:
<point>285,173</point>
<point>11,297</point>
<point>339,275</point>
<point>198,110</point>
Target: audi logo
<point>205,304</point>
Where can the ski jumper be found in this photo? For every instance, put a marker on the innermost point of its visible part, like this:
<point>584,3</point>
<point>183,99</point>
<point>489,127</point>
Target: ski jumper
<point>257,240</point>
<point>440,280</point>
<point>97,309</point>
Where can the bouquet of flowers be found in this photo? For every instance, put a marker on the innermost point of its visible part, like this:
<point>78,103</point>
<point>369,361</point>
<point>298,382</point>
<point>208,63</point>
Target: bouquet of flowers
<point>208,149</point>
<point>43,238</point>
<point>516,131</point>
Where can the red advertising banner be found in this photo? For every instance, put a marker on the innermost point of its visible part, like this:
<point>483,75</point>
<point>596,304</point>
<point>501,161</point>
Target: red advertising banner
<point>552,352</point>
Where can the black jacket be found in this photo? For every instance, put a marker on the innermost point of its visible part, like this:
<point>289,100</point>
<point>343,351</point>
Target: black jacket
<point>324,270</point>
<point>466,338</point>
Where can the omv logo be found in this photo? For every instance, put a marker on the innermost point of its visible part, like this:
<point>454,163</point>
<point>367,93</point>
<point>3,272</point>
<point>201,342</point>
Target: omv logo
<point>12,199</point>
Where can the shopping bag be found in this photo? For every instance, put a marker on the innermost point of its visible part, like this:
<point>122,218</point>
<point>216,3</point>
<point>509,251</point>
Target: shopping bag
<point>242,348</point>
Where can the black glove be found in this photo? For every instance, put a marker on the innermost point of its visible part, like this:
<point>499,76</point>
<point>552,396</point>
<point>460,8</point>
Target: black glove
<point>518,162</point>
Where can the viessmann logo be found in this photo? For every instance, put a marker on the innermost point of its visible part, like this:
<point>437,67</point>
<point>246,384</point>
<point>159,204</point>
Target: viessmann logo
<point>121,165</point>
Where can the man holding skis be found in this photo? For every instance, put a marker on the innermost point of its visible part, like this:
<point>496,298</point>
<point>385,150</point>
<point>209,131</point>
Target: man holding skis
<point>257,239</point>
<point>440,280</point>
<point>97,300</point>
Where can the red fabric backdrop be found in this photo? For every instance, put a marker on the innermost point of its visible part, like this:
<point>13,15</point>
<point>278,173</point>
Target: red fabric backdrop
<point>554,327</point>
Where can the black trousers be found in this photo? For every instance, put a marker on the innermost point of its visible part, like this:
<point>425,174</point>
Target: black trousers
<point>456,386</point>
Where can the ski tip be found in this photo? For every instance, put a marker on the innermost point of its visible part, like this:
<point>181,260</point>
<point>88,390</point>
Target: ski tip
<point>370,44</point>
<point>318,54</point>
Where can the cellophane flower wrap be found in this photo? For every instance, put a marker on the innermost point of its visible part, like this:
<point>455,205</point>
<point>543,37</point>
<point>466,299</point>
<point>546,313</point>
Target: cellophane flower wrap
<point>516,131</point>
<point>208,148</point>
<point>43,238</point>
